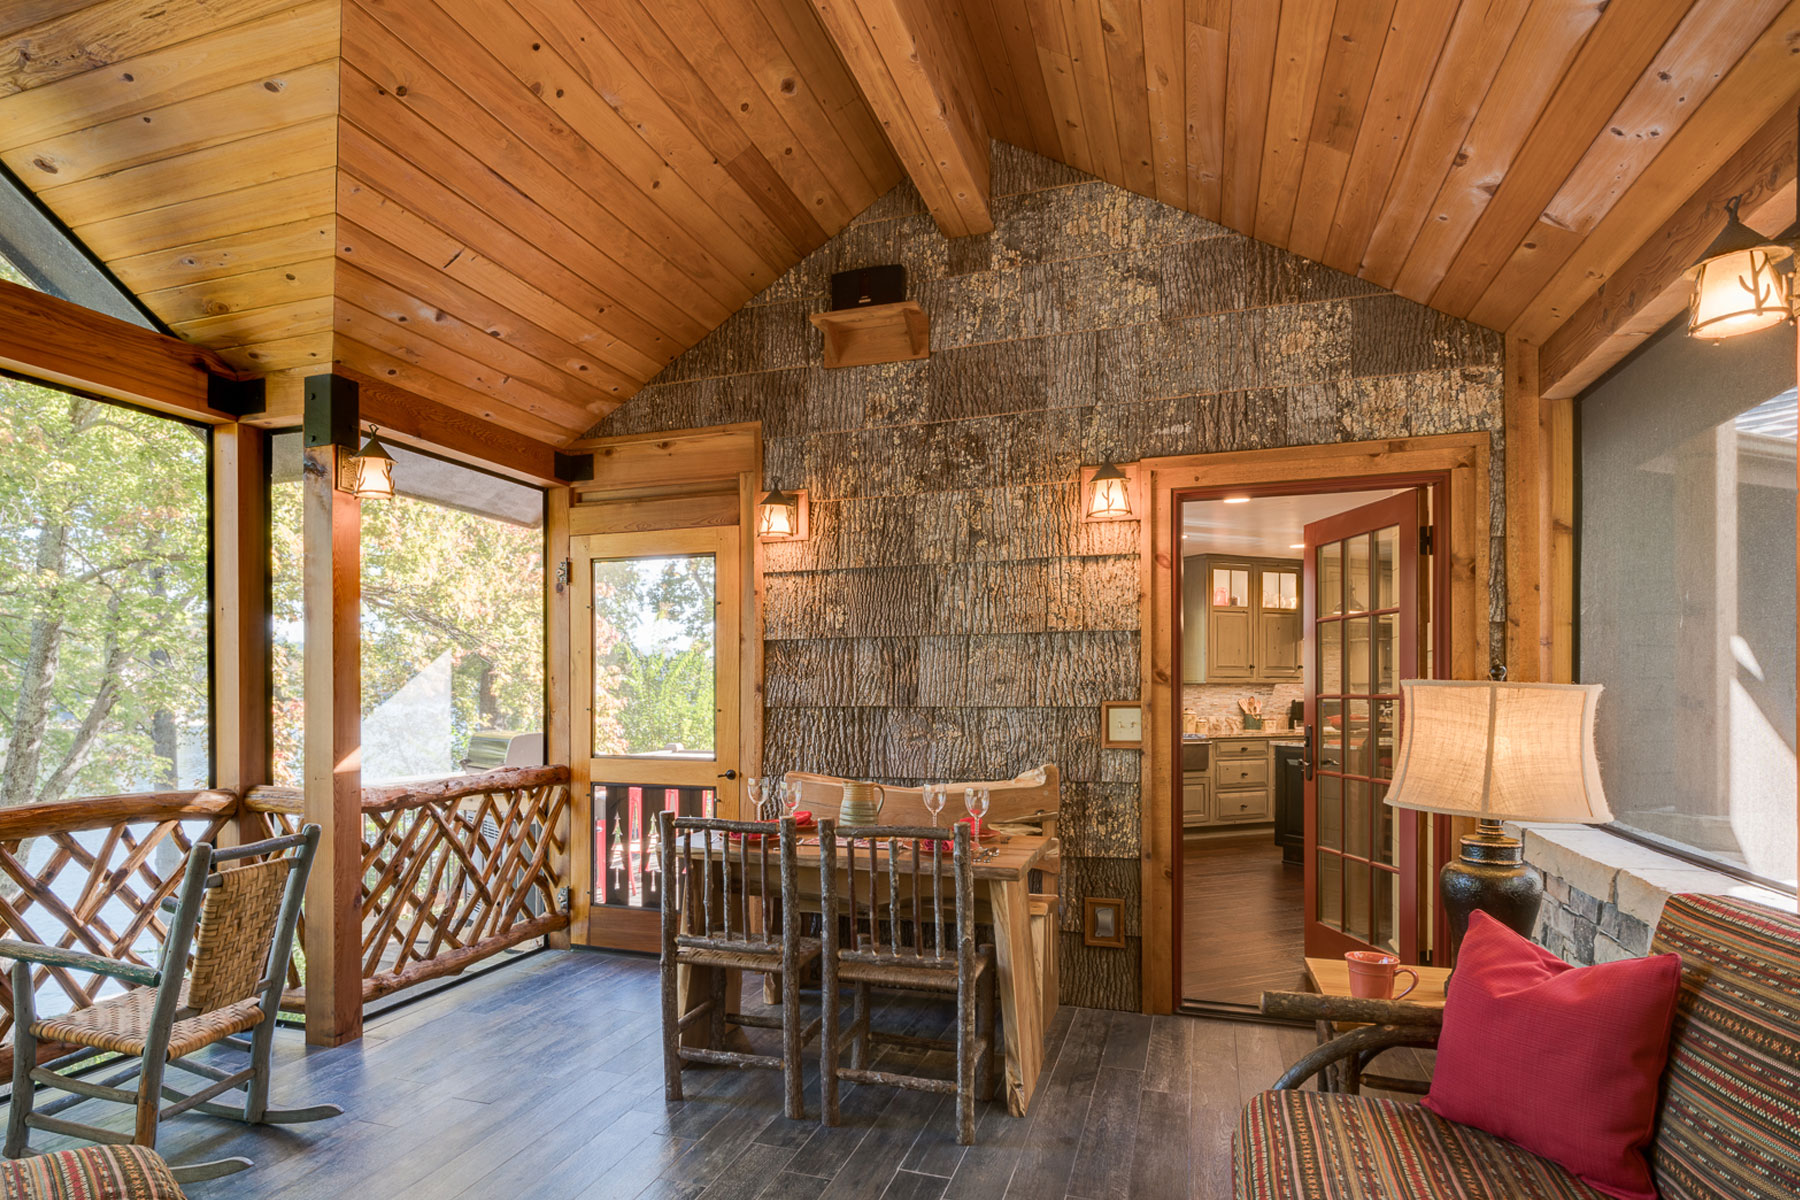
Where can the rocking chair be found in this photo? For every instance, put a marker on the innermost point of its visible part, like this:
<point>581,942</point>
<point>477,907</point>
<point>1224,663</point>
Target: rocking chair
<point>239,922</point>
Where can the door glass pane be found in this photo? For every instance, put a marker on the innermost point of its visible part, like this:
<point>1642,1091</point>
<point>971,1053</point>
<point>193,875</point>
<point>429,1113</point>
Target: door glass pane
<point>1280,590</point>
<point>1328,905</point>
<point>655,644</point>
<point>1356,817</point>
<point>1384,740</point>
<point>1331,578</point>
<point>1358,593</point>
<point>1356,900</point>
<point>1357,751</point>
<point>1384,821</point>
<point>1331,735</point>
<point>1387,911</point>
<point>1331,657</point>
<point>1356,654</point>
<point>1331,812</point>
<point>1387,636</point>
<point>1231,587</point>
<point>1387,567</point>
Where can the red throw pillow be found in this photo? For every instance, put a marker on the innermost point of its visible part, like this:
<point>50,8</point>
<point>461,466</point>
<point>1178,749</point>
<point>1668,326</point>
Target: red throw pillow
<point>1566,1061</point>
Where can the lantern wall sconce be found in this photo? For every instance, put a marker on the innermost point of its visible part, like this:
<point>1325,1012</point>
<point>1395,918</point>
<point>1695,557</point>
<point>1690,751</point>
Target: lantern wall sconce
<point>369,473</point>
<point>1111,493</point>
<point>1744,282</point>
<point>783,517</point>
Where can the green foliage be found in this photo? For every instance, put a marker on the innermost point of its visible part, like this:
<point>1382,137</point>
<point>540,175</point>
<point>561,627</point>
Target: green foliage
<point>103,594</point>
<point>654,651</point>
<point>434,580</point>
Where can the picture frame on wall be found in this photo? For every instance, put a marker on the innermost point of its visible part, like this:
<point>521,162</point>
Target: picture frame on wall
<point>1122,724</point>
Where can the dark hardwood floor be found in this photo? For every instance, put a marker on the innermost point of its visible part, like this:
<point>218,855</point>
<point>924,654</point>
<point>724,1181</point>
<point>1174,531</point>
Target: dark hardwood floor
<point>1242,920</point>
<point>543,1081</point>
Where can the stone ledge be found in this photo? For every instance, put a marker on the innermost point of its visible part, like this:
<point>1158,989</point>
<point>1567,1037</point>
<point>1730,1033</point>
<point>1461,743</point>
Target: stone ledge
<point>1634,879</point>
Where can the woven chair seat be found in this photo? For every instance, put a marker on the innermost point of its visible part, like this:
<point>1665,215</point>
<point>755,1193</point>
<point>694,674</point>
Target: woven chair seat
<point>746,960</point>
<point>924,974</point>
<point>122,1024</point>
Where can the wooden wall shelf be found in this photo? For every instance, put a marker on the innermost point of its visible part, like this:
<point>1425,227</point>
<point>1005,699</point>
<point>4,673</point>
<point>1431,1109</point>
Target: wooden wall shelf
<point>879,333</point>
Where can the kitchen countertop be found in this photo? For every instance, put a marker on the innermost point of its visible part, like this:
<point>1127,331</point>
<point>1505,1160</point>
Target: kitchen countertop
<point>1288,734</point>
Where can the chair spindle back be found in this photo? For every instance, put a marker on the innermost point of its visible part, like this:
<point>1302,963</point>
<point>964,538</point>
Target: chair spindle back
<point>916,863</point>
<point>725,920</point>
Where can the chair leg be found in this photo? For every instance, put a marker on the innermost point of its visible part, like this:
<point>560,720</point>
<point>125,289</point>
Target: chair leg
<point>715,1022</point>
<point>987,1068</point>
<point>24,1058</point>
<point>965,1067</point>
<point>828,1046</point>
<point>859,1028</point>
<point>149,1101</point>
<point>671,1033</point>
<point>790,1045</point>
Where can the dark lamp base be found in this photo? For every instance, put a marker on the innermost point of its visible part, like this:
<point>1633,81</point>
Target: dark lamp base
<point>1490,875</point>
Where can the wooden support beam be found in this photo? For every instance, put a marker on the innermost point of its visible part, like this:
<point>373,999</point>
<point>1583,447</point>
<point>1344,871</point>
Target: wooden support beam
<point>559,696</point>
<point>331,540</point>
<point>910,59</point>
<point>240,606</point>
<point>53,340</point>
<point>1651,287</point>
<point>410,419</point>
<point>1528,626</point>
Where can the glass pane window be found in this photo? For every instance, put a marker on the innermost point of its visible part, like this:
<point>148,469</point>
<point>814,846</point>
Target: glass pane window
<point>104,544</point>
<point>655,645</point>
<point>452,621</point>
<point>1687,580</point>
<point>1231,587</point>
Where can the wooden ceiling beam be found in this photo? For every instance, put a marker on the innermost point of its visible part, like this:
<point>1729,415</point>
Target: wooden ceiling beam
<point>902,55</point>
<point>1652,288</point>
<point>46,338</point>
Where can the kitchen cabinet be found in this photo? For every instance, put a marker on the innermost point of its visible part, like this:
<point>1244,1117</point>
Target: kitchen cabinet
<point>1236,788</point>
<point>1240,620</point>
<point>1196,799</point>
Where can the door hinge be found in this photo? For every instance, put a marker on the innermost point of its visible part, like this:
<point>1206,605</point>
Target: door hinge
<point>563,570</point>
<point>1424,539</point>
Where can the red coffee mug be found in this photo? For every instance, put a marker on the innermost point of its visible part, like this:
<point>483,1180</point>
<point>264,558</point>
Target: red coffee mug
<point>1372,975</point>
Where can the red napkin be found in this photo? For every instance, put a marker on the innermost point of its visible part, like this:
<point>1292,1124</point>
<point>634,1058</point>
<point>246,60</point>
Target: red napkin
<point>802,820</point>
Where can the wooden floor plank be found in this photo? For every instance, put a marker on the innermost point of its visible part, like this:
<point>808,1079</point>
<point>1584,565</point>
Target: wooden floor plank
<point>542,1080</point>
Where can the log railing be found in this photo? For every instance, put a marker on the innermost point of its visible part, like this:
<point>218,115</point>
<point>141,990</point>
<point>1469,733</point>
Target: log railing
<point>453,872</point>
<point>90,875</point>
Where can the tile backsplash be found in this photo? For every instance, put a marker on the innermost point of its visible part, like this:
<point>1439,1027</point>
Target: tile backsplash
<point>1210,700</point>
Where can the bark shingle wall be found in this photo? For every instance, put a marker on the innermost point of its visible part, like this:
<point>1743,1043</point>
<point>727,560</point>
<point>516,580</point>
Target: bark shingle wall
<point>950,617</point>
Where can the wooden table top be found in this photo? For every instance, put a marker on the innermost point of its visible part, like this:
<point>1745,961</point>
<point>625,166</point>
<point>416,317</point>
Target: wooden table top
<point>1332,977</point>
<point>1015,855</point>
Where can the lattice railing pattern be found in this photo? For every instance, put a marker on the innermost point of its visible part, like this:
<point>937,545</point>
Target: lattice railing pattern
<point>453,871</point>
<point>103,867</point>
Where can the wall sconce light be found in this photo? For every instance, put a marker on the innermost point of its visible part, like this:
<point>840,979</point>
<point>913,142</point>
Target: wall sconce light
<point>782,517</point>
<point>1109,493</point>
<point>369,473</point>
<point>1743,283</point>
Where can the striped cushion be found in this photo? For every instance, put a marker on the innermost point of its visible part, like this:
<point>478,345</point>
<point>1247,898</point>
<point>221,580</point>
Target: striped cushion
<point>1310,1146</point>
<point>1730,1118</point>
<point>90,1173</point>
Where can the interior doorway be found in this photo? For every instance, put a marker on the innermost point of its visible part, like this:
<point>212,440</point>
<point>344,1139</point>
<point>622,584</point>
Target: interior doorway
<point>1297,612</point>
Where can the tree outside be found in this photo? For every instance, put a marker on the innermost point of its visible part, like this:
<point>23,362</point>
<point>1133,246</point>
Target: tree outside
<point>103,597</point>
<point>654,644</point>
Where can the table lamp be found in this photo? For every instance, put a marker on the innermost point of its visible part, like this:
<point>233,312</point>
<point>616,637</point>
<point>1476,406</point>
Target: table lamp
<point>1498,751</point>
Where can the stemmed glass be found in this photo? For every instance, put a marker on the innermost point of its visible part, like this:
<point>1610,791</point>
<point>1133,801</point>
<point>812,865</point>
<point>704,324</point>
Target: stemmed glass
<point>976,801</point>
<point>935,796</point>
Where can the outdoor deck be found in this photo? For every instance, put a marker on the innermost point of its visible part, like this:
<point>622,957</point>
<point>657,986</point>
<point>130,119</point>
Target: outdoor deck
<point>543,1081</point>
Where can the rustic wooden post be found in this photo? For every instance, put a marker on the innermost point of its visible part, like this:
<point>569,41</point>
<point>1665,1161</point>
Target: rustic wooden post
<point>241,616</point>
<point>331,535</point>
<point>559,697</point>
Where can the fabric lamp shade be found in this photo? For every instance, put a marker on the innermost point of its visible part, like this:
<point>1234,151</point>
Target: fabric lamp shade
<point>1500,751</point>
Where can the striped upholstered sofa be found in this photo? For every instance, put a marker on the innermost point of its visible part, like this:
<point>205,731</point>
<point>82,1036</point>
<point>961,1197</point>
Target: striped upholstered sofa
<point>1728,1127</point>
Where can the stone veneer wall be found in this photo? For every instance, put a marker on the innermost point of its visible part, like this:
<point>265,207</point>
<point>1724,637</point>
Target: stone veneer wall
<point>1584,929</point>
<point>951,617</point>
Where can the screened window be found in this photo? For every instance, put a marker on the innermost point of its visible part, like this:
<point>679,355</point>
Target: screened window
<point>452,621</point>
<point>1687,568</point>
<point>103,597</point>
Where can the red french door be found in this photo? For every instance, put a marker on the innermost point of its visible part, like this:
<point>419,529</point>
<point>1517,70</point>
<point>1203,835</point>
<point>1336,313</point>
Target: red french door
<point>1361,605</point>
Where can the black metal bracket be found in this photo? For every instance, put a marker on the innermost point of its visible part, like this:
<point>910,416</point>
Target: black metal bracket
<point>331,411</point>
<point>574,468</point>
<point>239,397</point>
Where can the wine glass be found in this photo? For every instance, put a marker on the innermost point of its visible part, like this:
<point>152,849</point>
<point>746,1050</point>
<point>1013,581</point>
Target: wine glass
<point>935,796</point>
<point>790,796</point>
<point>976,801</point>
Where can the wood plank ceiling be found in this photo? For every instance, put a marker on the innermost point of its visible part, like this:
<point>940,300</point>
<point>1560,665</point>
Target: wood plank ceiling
<point>523,208</point>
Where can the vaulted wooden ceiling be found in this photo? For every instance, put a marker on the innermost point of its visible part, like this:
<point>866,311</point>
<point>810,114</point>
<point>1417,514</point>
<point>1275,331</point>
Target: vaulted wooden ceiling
<point>522,209</point>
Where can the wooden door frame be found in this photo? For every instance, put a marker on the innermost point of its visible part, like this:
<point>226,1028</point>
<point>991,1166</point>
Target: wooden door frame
<point>1461,458</point>
<point>652,481</point>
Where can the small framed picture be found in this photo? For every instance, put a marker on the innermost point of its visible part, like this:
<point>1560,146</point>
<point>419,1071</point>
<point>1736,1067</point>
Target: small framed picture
<point>1122,724</point>
<point>1103,922</point>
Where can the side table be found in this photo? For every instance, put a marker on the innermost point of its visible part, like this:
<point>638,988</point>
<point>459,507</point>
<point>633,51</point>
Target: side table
<point>1331,977</point>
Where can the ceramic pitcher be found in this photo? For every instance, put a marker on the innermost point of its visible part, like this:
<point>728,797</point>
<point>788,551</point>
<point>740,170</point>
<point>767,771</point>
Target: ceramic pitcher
<point>862,803</point>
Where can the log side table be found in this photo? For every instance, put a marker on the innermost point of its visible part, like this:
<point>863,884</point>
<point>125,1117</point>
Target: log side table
<point>1331,977</point>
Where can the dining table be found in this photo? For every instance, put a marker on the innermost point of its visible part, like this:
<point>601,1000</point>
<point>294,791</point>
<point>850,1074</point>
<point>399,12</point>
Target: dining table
<point>1024,923</point>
